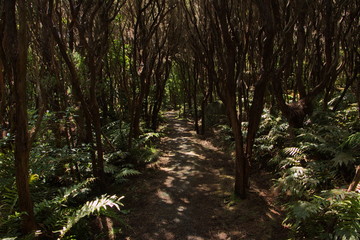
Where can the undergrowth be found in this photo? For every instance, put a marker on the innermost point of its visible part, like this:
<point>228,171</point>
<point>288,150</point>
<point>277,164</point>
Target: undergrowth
<point>314,166</point>
<point>68,202</point>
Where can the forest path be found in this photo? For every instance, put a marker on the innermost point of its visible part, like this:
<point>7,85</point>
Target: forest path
<point>186,195</point>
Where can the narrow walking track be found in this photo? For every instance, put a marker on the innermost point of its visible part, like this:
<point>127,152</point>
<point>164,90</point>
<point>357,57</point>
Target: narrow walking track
<point>185,195</point>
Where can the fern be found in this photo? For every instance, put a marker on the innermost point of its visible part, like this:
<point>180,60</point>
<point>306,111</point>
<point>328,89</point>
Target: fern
<point>52,213</point>
<point>74,190</point>
<point>343,159</point>
<point>126,172</point>
<point>303,210</point>
<point>10,198</point>
<point>117,132</point>
<point>297,180</point>
<point>292,151</point>
<point>110,168</point>
<point>147,138</point>
<point>90,208</point>
<point>116,156</point>
<point>333,214</point>
<point>352,142</point>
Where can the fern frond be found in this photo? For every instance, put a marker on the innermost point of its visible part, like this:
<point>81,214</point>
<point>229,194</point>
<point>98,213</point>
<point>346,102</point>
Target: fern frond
<point>147,137</point>
<point>90,208</point>
<point>116,155</point>
<point>10,198</point>
<point>75,189</point>
<point>343,159</point>
<point>310,137</point>
<point>109,168</point>
<point>303,209</point>
<point>52,213</point>
<point>292,151</point>
<point>126,172</point>
<point>352,142</point>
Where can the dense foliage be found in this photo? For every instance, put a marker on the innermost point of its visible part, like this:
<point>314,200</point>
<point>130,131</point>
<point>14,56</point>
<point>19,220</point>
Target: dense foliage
<point>83,85</point>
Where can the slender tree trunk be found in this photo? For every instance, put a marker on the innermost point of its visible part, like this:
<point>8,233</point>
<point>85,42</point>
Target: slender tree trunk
<point>355,181</point>
<point>329,35</point>
<point>99,167</point>
<point>257,105</point>
<point>196,115</point>
<point>136,117</point>
<point>358,100</point>
<point>2,97</point>
<point>16,44</point>
<point>157,105</point>
<point>241,176</point>
<point>301,41</point>
<point>203,121</point>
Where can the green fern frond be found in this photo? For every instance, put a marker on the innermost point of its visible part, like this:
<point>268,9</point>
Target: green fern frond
<point>310,137</point>
<point>352,142</point>
<point>343,159</point>
<point>150,155</point>
<point>53,212</point>
<point>118,155</point>
<point>109,168</point>
<point>74,190</point>
<point>10,198</point>
<point>126,172</point>
<point>303,209</point>
<point>90,208</point>
<point>292,151</point>
<point>148,138</point>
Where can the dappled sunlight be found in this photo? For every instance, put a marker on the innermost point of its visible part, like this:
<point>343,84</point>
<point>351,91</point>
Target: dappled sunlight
<point>188,195</point>
<point>168,181</point>
<point>194,238</point>
<point>165,197</point>
<point>192,153</point>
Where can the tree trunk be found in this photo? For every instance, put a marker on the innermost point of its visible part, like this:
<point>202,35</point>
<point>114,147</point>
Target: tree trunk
<point>355,181</point>
<point>16,44</point>
<point>196,115</point>
<point>157,106</point>
<point>2,97</point>
<point>357,90</point>
<point>203,121</point>
<point>95,114</point>
<point>241,165</point>
<point>136,118</point>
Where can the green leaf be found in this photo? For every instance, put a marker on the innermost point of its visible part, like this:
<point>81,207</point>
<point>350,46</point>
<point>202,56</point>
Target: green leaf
<point>125,172</point>
<point>90,208</point>
<point>303,210</point>
<point>292,151</point>
<point>342,159</point>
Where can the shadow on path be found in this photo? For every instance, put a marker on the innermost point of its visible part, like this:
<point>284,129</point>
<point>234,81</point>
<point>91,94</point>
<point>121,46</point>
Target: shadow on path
<point>185,195</point>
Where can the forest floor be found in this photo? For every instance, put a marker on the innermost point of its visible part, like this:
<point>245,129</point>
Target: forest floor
<point>186,194</point>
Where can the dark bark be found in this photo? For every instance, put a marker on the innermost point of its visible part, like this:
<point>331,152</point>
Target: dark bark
<point>355,181</point>
<point>2,98</point>
<point>301,41</point>
<point>161,79</point>
<point>96,122</point>
<point>15,43</point>
<point>358,95</point>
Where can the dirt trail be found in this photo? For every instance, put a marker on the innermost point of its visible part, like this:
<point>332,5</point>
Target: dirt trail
<point>185,195</point>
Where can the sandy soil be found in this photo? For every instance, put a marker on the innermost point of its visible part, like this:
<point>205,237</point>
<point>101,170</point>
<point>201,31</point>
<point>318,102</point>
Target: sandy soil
<point>187,195</point>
